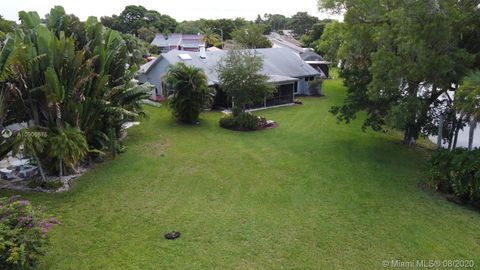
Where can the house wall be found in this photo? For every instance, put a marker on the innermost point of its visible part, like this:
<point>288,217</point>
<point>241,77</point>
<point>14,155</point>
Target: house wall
<point>303,86</point>
<point>155,76</point>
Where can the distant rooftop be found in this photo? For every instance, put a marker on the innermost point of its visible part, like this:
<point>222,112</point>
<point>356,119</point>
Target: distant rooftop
<point>177,39</point>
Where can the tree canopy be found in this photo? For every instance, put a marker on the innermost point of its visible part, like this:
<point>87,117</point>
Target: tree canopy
<point>241,78</point>
<point>251,37</point>
<point>301,23</point>
<point>399,58</point>
<point>135,19</point>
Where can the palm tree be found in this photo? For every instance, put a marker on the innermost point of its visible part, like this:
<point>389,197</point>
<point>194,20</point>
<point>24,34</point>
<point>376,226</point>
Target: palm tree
<point>210,37</point>
<point>467,101</point>
<point>33,142</point>
<point>190,92</point>
<point>64,82</point>
<point>68,145</point>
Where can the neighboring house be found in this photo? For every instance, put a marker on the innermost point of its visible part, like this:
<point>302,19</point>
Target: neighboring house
<point>307,54</point>
<point>166,43</point>
<point>284,68</point>
<point>317,62</point>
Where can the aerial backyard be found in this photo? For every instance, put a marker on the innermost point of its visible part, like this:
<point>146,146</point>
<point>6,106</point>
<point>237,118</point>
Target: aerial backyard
<point>310,194</point>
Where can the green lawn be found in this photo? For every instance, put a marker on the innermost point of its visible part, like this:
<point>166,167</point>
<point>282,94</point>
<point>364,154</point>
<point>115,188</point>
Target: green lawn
<point>310,194</point>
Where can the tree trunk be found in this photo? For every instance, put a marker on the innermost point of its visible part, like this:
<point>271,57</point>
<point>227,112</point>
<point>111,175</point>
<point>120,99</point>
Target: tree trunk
<point>455,139</point>
<point>60,169</point>
<point>42,174</point>
<point>451,134</point>
<point>411,135</point>
<point>473,125</point>
<point>440,133</point>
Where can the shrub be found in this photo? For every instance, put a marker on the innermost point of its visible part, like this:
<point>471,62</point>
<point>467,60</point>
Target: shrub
<point>315,87</point>
<point>248,121</point>
<point>457,172</point>
<point>50,185</point>
<point>23,233</point>
<point>228,121</point>
<point>243,121</point>
<point>439,169</point>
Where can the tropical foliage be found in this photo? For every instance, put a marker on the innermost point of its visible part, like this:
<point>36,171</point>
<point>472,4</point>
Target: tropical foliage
<point>190,93</point>
<point>71,79</point>
<point>467,102</point>
<point>211,38</point>
<point>402,59</point>
<point>457,172</point>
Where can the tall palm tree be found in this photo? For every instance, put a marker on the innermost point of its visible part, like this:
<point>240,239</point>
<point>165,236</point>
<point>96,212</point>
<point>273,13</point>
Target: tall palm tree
<point>467,101</point>
<point>210,37</point>
<point>190,92</point>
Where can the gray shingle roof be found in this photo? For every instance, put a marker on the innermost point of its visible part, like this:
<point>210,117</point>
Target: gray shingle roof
<point>278,63</point>
<point>190,41</point>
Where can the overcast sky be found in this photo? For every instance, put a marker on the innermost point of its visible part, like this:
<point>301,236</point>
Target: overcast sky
<point>180,10</point>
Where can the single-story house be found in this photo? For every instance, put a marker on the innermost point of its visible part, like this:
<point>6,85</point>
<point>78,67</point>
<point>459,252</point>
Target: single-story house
<point>317,62</point>
<point>285,69</point>
<point>166,43</point>
<point>307,54</point>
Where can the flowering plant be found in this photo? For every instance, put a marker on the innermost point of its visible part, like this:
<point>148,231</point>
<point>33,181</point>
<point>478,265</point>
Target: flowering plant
<point>23,233</point>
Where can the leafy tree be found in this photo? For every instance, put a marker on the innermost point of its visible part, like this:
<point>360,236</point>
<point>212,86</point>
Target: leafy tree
<point>137,20</point>
<point>5,27</point>
<point>240,77</point>
<point>162,23</point>
<point>399,58</point>
<point>331,41</point>
<point>310,39</point>
<point>132,18</point>
<point>259,20</point>
<point>276,21</point>
<point>188,27</point>
<point>190,92</point>
<point>112,22</point>
<point>147,33</point>
<point>301,23</point>
<point>467,101</point>
<point>251,37</point>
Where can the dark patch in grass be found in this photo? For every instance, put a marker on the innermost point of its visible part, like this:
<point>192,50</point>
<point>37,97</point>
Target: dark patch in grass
<point>173,235</point>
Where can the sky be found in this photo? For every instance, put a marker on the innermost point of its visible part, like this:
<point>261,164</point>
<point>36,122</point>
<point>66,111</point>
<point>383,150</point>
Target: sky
<point>180,10</point>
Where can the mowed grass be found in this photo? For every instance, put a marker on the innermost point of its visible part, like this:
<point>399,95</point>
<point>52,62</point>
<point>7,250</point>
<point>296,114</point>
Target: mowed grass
<point>311,194</point>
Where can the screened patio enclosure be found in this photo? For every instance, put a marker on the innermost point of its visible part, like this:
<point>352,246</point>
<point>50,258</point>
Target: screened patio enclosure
<point>284,94</point>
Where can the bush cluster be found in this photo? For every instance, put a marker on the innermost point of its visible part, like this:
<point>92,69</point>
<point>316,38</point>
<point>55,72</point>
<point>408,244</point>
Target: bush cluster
<point>457,172</point>
<point>242,121</point>
<point>23,233</point>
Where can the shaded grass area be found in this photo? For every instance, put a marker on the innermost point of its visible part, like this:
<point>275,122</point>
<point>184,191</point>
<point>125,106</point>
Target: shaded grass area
<point>310,194</point>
